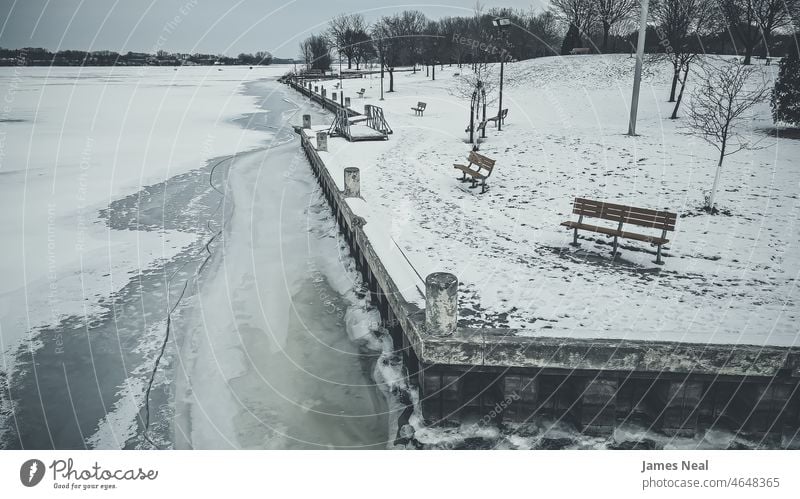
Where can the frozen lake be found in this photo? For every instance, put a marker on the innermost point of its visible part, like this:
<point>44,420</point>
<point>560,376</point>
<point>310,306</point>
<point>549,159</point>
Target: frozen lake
<point>113,181</point>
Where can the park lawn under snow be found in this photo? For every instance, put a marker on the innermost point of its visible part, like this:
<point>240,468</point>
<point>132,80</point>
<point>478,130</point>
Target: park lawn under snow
<point>729,278</point>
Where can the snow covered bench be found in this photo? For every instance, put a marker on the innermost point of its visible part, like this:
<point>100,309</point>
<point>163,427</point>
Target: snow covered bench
<point>501,118</point>
<point>361,92</point>
<point>481,163</point>
<point>420,108</point>
<point>661,220</point>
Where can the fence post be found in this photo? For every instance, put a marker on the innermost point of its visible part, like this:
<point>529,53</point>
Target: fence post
<point>441,304</point>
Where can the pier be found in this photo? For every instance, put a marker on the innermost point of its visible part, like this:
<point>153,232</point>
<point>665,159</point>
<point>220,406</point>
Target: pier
<point>465,373</point>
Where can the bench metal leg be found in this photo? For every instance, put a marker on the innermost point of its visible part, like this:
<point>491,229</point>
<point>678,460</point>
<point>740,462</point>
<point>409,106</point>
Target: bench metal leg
<point>575,239</point>
<point>659,261</point>
<point>616,245</point>
<point>483,186</point>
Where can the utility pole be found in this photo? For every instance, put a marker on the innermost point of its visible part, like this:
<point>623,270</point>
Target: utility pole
<point>637,77</point>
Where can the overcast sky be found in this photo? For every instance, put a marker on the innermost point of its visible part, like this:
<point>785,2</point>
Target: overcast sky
<point>210,26</point>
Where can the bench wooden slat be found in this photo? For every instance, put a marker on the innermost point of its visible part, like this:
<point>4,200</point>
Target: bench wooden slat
<point>602,204</point>
<point>622,214</point>
<point>470,171</point>
<point>626,214</point>
<point>614,232</point>
<point>591,228</point>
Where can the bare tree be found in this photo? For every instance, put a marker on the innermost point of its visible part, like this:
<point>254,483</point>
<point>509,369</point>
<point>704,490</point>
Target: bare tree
<point>364,48</point>
<point>452,30</point>
<point>345,31</point>
<point>773,15</point>
<point>610,13</point>
<point>398,40</point>
<point>540,35</point>
<point>485,76</point>
<point>388,44</point>
<point>577,14</point>
<point>411,25</point>
<point>315,51</point>
<point>679,23</point>
<point>263,57</point>
<point>728,91</point>
<point>305,53</point>
<point>741,17</point>
<point>431,47</point>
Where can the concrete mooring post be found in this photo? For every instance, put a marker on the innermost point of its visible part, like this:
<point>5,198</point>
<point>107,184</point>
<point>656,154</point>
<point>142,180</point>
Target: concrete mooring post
<point>333,96</point>
<point>347,102</point>
<point>322,141</point>
<point>306,121</point>
<point>441,304</point>
<point>352,182</point>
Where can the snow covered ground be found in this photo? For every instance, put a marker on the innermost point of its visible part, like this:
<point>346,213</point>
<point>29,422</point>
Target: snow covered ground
<point>729,278</point>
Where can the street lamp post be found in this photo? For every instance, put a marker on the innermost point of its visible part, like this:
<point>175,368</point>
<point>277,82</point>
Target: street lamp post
<point>501,23</point>
<point>383,64</point>
<point>637,76</point>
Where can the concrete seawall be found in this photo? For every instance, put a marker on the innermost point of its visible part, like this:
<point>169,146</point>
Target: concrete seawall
<point>676,388</point>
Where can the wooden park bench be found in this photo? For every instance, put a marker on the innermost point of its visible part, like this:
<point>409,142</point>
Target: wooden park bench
<point>361,92</point>
<point>661,220</point>
<point>478,128</point>
<point>419,109</point>
<point>481,163</point>
<point>501,118</point>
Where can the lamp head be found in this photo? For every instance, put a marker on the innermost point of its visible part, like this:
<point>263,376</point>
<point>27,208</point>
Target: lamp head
<point>501,22</point>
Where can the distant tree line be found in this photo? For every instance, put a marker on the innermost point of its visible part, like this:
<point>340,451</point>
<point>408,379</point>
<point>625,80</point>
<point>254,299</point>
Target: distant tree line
<point>409,38</point>
<point>44,57</point>
<point>682,28</point>
<point>742,27</point>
